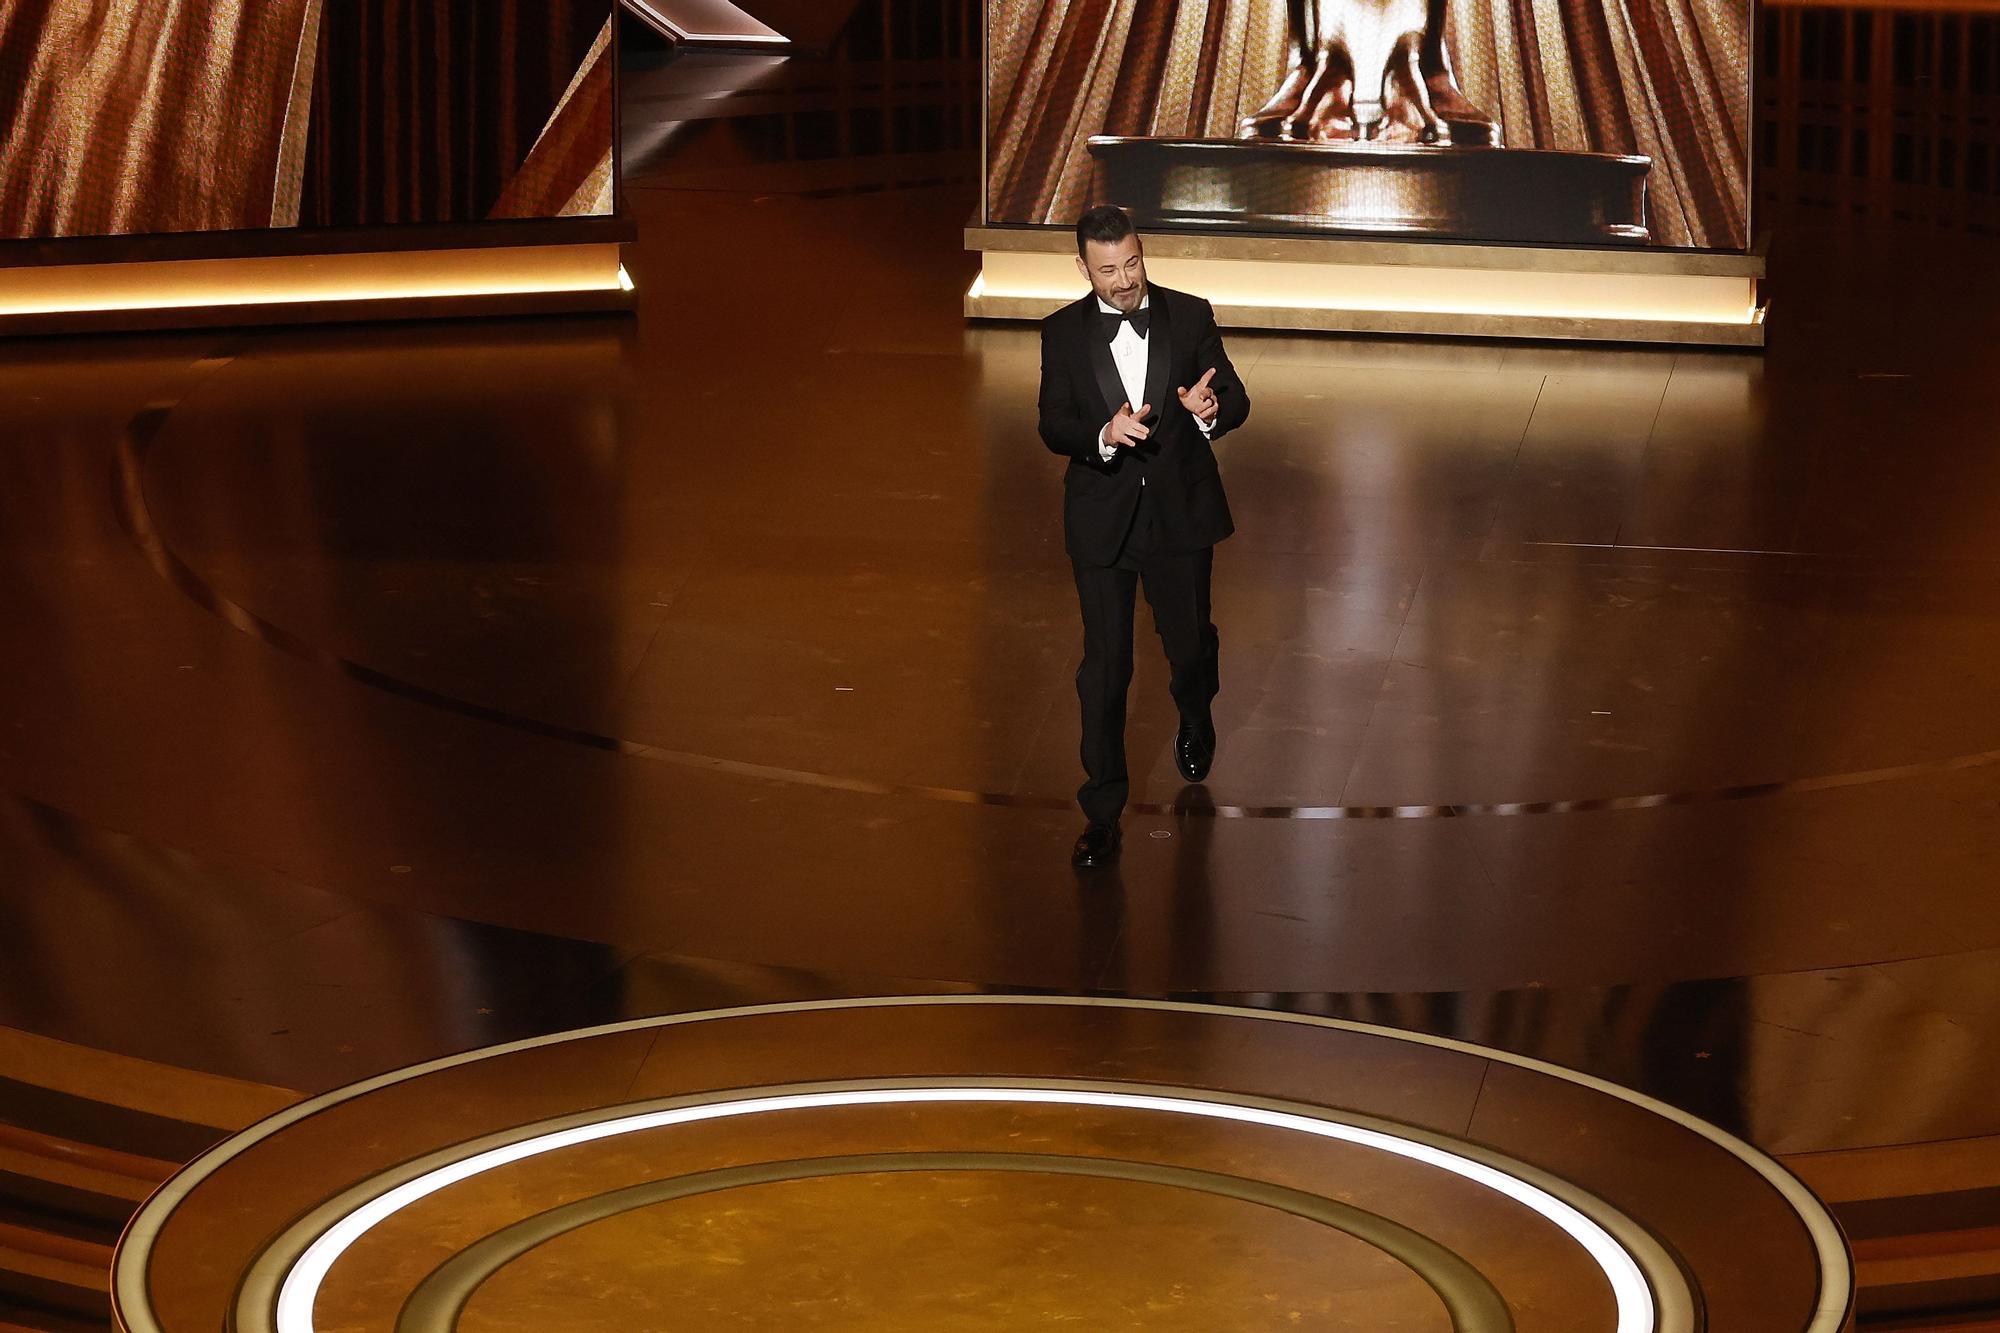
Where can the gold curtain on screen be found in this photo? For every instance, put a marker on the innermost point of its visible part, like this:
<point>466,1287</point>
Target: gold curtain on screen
<point>1666,78</point>
<point>133,116</point>
<point>166,115</point>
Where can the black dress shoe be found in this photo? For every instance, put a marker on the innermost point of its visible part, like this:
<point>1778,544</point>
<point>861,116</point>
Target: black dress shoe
<point>1194,749</point>
<point>1098,846</point>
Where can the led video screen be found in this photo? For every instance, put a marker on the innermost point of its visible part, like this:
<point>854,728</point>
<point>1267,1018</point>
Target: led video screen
<point>1559,122</point>
<point>120,119</point>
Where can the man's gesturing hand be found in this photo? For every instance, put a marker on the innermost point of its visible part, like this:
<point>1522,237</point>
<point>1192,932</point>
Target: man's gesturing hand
<point>1201,399</point>
<point>1124,429</point>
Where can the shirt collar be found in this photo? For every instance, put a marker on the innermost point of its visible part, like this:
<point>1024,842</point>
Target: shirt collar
<point>1105,307</point>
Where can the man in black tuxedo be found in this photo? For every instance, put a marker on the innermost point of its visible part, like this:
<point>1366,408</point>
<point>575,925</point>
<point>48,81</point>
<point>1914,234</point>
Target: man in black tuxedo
<point>1142,497</point>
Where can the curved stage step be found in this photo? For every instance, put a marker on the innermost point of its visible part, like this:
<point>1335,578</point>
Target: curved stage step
<point>85,1137</point>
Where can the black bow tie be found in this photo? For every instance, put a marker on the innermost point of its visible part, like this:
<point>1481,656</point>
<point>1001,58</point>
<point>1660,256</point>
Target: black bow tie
<point>1111,319</point>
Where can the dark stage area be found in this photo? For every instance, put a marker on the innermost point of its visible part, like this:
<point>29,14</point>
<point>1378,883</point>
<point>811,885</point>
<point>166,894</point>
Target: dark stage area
<point>1549,672</point>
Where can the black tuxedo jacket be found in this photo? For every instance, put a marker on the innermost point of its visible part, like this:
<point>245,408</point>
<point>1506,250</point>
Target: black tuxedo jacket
<point>1081,391</point>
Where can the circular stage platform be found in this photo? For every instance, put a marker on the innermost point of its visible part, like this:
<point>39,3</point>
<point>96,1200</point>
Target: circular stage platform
<point>983,1162</point>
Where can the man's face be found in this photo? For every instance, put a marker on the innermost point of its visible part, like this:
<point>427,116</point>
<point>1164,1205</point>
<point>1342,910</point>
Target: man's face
<point>1117,271</point>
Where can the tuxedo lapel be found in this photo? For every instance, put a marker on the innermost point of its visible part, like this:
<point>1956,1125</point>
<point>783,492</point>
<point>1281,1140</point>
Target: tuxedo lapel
<point>1159,357</point>
<point>1101,363</point>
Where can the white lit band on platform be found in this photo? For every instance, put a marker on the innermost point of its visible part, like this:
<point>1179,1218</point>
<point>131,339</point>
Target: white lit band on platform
<point>1638,1312</point>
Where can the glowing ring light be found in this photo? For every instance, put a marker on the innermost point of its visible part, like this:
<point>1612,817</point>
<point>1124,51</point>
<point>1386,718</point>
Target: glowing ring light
<point>299,1290</point>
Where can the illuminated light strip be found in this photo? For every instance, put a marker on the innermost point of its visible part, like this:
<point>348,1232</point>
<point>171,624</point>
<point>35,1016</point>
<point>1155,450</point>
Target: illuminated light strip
<point>1702,299</point>
<point>300,1290</point>
<point>266,280</point>
<point>1609,308</point>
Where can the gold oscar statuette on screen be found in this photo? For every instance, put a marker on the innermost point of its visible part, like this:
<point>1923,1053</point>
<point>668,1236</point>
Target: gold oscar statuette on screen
<point>1369,132</point>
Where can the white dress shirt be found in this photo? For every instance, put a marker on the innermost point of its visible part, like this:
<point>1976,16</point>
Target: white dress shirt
<point>1128,353</point>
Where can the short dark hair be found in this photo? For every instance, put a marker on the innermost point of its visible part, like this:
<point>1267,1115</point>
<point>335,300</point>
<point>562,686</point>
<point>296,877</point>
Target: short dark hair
<point>1105,225</point>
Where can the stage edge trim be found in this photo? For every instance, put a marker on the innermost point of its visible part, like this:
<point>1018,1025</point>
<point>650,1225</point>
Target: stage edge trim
<point>309,288</point>
<point>1351,289</point>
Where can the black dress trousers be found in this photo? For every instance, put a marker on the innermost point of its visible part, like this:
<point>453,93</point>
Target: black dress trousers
<point>1177,590</point>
